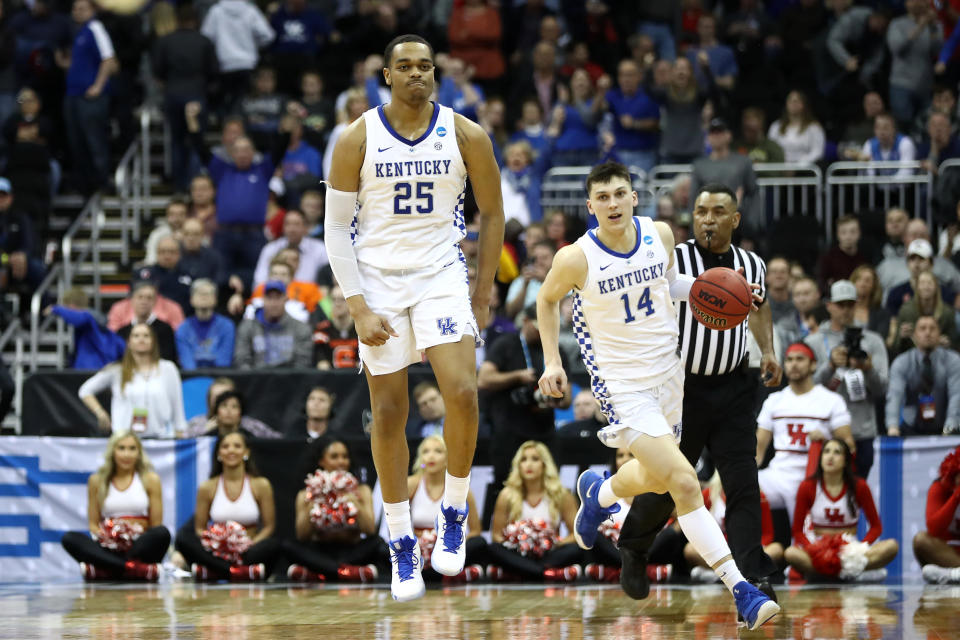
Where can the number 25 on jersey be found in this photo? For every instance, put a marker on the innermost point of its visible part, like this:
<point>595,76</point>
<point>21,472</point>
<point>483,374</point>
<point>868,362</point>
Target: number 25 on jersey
<point>405,192</point>
<point>644,304</point>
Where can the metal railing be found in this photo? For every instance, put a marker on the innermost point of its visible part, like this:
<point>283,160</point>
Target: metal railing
<point>791,188</point>
<point>90,216</point>
<point>850,186</point>
<point>38,324</point>
<point>13,333</point>
<point>563,188</point>
<point>132,178</point>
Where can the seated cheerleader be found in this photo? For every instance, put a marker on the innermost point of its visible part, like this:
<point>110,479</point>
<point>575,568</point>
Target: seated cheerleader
<point>938,548</point>
<point>829,503</point>
<point>335,525</point>
<point>425,490</point>
<point>715,500</point>
<point>526,519</point>
<point>124,512</point>
<point>232,533</point>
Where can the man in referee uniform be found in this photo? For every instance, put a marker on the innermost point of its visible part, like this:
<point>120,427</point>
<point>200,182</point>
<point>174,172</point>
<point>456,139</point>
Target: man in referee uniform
<point>718,401</point>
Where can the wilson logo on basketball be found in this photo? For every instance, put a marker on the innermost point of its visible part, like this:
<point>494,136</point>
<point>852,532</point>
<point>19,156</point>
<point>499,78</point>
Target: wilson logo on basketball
<point>711,299</point>
<point>707,319</point>
<point>833,515</point>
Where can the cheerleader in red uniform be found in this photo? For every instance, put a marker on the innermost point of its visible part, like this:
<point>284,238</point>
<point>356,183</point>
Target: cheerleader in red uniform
<point>938,548</point>
<point>335,525</point>
<point>425,490</point>
<point>526,519</point>
<point>126,538</point>
<point>828,509</point>
<point>232,533</point>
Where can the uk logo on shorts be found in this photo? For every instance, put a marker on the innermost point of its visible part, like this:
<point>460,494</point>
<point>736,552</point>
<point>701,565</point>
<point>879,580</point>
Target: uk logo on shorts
<point>447,326</point>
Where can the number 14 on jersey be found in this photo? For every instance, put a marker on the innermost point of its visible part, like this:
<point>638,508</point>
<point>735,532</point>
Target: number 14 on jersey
<point>644,304</point>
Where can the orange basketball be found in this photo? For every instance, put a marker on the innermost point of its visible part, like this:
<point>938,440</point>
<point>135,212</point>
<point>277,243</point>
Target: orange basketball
<point>720,298</point>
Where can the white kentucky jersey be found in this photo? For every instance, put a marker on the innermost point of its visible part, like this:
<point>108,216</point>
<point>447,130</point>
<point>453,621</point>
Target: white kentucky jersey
<point>623,317</point>
<point>792,418</point>
<point>410,202</point>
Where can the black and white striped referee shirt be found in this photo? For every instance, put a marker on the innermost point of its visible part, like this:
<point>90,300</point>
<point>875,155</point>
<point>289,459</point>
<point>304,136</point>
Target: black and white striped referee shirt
<point>707,351</point>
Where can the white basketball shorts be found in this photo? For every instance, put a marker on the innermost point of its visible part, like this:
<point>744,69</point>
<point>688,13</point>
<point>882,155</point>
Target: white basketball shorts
<point>779,484</point>
<point>426,307</point>
<point>655,411</point>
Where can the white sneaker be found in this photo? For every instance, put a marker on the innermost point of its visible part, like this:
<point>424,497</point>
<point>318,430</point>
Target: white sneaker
<point>450,550</point>
<point>704,575</point>
<point>405,566</point>
<point>873,575</point>
<point>935,574</point>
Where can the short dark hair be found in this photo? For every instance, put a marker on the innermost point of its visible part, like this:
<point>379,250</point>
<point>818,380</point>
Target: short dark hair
<point>847,218</point>
<point>227,395</point>
<point>407,37</point>
<point>187,15</point>
<point>605,172</point>
<point>716,187</point>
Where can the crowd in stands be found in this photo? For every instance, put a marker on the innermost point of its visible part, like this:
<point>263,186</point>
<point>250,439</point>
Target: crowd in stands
<point>254,97</point>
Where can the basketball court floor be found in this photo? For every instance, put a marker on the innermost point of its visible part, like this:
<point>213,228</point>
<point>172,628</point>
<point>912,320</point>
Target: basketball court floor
<point>241,612</point>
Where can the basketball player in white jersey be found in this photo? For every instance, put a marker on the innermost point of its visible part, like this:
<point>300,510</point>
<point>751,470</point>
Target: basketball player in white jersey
<point>624,281</point>
<point>794,418</point>
<point>394,220</point>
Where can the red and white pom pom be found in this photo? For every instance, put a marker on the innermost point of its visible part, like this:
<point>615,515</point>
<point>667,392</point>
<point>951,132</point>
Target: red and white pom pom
<point>427,540</point>
<point>227,540</point>
<point>119,534</point>
<point>529,537</point>
<point>611,530</point>
<point>853,558</point>
<point>825,554</point>
<point>328,492</point>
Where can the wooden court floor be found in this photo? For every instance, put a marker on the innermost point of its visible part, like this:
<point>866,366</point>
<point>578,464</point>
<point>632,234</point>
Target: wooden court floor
<point>186,610</point>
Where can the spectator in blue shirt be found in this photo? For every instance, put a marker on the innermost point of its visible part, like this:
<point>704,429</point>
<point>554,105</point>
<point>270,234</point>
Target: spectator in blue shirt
<point>300,33</point>
<point>531,129</point>
<point>943,144</point>
<point>575,119</point>
<point>243,189</point>
<point>455,90</point>
<point>94,346</point>
<point>205,339</point>
<point>86,109</point>
<point>302,164</point>
<point>636,118</point>
<point>723,62</point>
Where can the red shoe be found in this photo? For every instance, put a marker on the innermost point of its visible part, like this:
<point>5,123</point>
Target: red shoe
<point>795,577</point>
<point>248,573</point>
<point>92,572</point>
<point>470,573</point>
<point>202,573</point>
<point>564,574</point>
<point>299,573</point>
<point>657,572</point>
<point>494,573</point>
<point>357,573</point>
<point>136,570</point>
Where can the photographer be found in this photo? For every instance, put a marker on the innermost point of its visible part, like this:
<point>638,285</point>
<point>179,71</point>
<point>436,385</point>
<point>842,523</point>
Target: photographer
<point>518,411</point>
<point>853,362</point>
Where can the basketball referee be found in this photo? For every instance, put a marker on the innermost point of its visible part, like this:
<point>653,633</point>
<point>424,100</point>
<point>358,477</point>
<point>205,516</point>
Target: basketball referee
<point>718,401</point>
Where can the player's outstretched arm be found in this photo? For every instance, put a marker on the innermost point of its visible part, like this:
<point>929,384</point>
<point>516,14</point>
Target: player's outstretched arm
<point>569,270</point>
<point>341,203</point>
<point>477,153</point>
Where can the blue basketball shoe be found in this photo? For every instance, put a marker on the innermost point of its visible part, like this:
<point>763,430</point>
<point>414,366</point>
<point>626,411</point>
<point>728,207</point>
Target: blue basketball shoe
<point>590,514</point>
<point>754,605</point>
<point>406,583</point>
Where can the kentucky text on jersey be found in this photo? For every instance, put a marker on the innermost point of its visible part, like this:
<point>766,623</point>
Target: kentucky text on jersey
<point>412,168</point>
<point>610,285</point>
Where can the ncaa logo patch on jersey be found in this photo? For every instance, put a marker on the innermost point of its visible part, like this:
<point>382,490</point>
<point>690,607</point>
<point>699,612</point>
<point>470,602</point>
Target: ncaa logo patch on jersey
<point>447,326</point>
<point>441,131</point>
<point>647,239</point>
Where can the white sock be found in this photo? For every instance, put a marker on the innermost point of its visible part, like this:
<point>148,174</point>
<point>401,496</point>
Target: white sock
<point>705,535</point>
<point>455,491</point>
<point>605,496</point>
<point>398,519</point>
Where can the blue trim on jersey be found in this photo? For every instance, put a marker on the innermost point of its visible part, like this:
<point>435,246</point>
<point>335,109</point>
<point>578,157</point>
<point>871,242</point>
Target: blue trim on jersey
<point>412,143</point>
<point>593,236</point>
<point>597,384</point>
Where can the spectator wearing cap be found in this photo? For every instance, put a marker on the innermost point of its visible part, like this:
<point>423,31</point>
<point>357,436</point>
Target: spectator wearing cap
<point>893,270</point>
<point>172,282</point>
<point>86,109</point>
<point>272,338</point>
<point>853,362</point>
<point>302,297</point>
<point>730,169</point>
<point>924,394</point>
<point>919,259</point>
<point>313,252</point>
<point>636,118</point>
<point>143,301</point>
<point>206,338</point>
